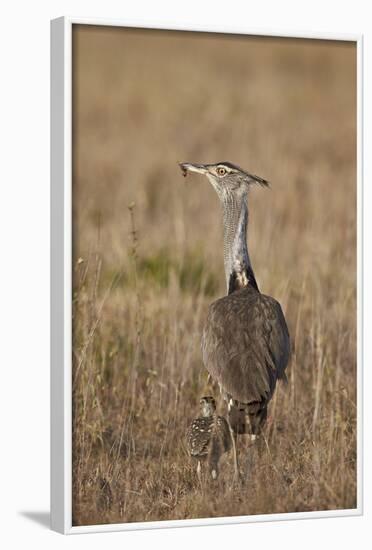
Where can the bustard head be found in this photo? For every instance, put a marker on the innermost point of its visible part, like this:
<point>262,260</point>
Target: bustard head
<point>232,184</point>
<point>226,178</point>
<point>208,406</point>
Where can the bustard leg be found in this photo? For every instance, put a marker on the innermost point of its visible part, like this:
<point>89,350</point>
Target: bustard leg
<point>198,471</point>
<point>255,422</point>
<point>233,440</point>
<point>258,435</point>
<point>235,455</point>
<point>214,455</point>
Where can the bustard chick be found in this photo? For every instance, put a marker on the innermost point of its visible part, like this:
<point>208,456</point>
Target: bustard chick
<point>208,437</point>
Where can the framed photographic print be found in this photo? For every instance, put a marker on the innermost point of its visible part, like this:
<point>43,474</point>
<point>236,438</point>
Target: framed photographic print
<point>206,276</point>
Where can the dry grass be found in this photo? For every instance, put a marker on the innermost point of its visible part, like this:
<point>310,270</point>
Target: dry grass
<point>144,275</point>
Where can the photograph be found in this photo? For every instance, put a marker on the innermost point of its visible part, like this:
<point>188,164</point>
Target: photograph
<point>214,275</point>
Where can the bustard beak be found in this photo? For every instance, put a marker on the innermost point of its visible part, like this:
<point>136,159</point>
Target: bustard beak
<point>189,167</point>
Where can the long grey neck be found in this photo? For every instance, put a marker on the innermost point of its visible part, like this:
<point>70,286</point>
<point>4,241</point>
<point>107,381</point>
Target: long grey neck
<point>238,268</point>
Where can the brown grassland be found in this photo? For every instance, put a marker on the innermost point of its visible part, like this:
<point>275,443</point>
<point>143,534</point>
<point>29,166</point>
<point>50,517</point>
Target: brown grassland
<point>147,262</point>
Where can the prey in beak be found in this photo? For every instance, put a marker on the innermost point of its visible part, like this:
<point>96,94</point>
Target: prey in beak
<point>192,167</point>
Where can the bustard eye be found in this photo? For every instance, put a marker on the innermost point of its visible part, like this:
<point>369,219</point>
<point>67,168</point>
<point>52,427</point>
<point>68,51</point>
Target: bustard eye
<point>221,171</point>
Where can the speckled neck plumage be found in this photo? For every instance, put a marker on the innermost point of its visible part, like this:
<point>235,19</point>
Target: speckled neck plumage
<point>238,268</point>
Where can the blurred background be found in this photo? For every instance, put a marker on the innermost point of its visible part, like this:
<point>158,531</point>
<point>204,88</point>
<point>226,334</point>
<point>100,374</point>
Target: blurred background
<point>147,247</point>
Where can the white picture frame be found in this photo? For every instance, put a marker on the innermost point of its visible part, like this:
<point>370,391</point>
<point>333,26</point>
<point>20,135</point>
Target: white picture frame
<point>61,287</point>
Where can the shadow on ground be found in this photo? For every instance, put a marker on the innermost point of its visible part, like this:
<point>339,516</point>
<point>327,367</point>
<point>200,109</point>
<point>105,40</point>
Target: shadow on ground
<point>42,518</point>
